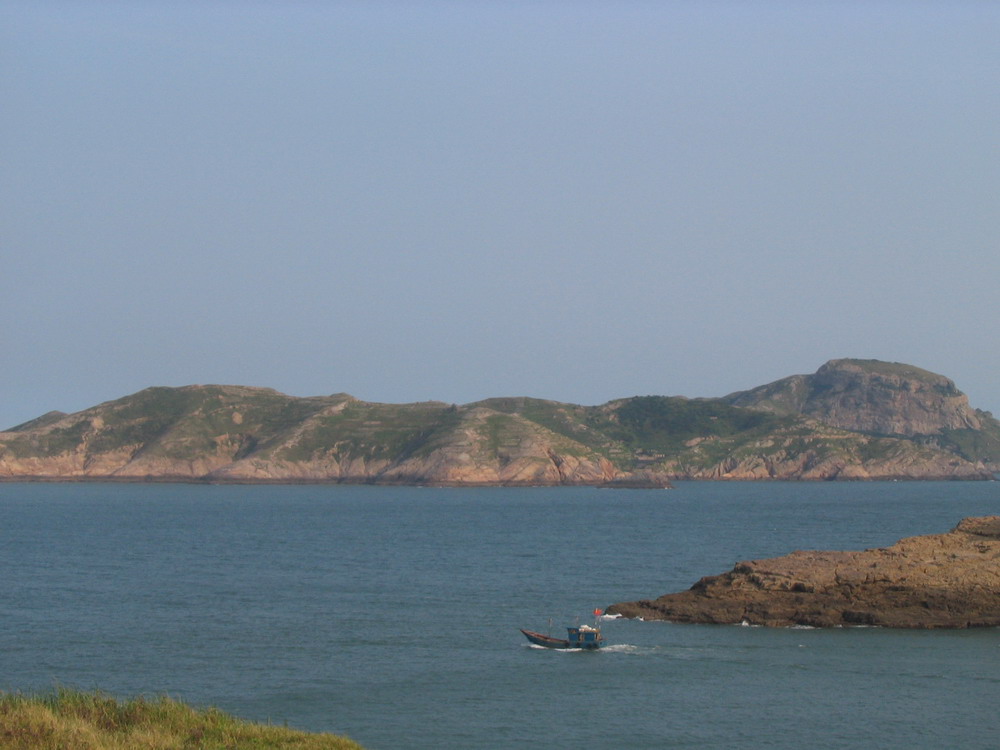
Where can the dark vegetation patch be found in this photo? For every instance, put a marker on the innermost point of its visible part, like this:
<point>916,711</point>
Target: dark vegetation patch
<point>666,423</point>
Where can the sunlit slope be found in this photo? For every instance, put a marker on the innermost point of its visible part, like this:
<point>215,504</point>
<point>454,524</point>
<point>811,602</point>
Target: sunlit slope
<point>886,399</point>
<point>853,419</point>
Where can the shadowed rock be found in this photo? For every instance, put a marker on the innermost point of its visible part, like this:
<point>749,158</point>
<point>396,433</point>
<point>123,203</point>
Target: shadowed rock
<point>947,580</point>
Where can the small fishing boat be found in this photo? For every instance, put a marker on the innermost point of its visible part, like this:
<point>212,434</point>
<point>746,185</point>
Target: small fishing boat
<point>580,636</point>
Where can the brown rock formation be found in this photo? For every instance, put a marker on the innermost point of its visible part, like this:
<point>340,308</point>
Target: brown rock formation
<point>940,581</point>
<point>853,419</point>
<point>889,399</point>
<point>830,454</point>
<point>886,398</point>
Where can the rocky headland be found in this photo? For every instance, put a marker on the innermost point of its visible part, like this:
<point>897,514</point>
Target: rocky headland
<point>852,419</point>
<point>947,580</point>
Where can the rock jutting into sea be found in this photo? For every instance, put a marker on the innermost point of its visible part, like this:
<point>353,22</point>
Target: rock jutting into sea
<point>947,580</point>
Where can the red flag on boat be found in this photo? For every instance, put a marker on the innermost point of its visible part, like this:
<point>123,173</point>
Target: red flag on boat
<point>598,612</point>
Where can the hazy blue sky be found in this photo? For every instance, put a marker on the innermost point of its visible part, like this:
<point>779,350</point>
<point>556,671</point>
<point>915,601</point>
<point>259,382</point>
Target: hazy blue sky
<point>453,200</point>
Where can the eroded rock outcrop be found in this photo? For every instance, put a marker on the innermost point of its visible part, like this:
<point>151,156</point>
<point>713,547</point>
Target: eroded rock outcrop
<point>864,395</point>
<point>947,580</point>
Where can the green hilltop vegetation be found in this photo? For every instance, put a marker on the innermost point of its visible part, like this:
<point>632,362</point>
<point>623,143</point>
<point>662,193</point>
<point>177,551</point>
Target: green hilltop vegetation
<point>74,720</point>
<point>628,431</point>
<point>852,419</point>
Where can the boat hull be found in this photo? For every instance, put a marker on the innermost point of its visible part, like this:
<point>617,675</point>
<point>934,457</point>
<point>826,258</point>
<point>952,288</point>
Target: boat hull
<point>547,641</point>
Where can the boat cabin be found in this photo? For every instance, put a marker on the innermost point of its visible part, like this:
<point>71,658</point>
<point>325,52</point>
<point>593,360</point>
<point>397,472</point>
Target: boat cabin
<point>584,637</point>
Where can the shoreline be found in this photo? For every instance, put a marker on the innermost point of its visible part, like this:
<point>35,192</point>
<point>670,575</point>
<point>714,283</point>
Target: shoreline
<point>624,484</point>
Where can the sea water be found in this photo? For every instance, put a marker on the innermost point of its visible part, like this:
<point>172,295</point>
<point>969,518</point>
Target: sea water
<point>392,614</point>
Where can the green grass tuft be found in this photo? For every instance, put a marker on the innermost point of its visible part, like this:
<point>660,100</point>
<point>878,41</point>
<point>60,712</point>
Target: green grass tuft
<point>74,720</point>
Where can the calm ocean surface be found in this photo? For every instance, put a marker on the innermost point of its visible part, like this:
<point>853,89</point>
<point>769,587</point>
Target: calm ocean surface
<point>392,614</point>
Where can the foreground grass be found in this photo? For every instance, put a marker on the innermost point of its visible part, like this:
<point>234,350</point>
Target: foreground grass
<point>74,720</point>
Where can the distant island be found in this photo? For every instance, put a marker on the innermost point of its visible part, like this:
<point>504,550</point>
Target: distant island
<point>852,419</point>
<point>939,581</point>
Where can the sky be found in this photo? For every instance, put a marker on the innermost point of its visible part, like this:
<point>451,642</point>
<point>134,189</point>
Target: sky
<point>412,201</point>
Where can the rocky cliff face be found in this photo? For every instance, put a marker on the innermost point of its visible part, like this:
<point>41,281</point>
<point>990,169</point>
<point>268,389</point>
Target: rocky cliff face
<point>853,419</point>
<point>941,581</point>
<point>884,398</point>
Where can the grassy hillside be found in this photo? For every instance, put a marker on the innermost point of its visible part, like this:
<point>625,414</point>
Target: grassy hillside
<point>665,424</point>
<point>975,445</point>
<point>368,430</point>
<point>72,720</point>
<point>637,432</point>
<point>710,437</point>
<point>176,422</point>
<point>887,418</point>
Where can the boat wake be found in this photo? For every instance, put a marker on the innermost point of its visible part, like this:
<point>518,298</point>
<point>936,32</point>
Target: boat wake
<point>625,648</point>
<point>616,648</point>
<point>536,647</point>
